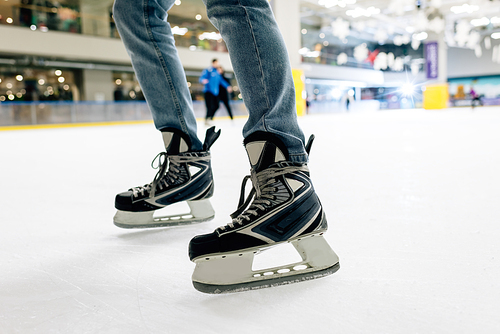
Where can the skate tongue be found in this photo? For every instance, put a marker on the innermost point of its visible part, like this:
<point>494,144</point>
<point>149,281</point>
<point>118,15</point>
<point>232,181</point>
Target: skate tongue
<point>264,153</point>
<point>210,137</point>
<point>175,141</point>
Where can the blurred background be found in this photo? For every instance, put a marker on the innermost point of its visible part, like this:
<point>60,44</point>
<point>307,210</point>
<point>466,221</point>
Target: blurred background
<point>63,61</point>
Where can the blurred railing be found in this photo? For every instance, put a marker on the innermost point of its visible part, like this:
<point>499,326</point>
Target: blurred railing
<point>24,113</point>
<point>326,58</point>
<point>37,113</point>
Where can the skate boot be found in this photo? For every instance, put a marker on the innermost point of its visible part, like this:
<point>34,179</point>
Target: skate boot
<point>285,209</point>
<point>183,175</point>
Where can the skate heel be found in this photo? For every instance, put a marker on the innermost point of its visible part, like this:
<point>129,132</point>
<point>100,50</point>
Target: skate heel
<point>315,251</point>
<point>126,219</point>
<point>201,210</point>
<point>223,269</point>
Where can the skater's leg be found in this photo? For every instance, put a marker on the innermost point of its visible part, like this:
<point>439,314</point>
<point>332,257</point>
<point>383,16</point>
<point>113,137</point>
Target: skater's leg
<point>260,62</point>
<point>224,96</point>
<point>147,36</point>
<point>282,205</point>
<point>208,105</point>
<point>212,104</point>
<point>184,168</point>
<point>215,105</point>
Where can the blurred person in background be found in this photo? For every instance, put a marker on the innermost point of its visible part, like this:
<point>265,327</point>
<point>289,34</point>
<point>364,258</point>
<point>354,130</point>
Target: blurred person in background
<point>211,79</point>
<point>476,98</point>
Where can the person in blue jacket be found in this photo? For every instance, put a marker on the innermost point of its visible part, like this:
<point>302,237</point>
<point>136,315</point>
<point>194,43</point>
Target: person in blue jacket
<point>211,78</point>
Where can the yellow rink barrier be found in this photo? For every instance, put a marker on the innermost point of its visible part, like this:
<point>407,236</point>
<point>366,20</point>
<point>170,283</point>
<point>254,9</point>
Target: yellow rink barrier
<point>436,96</point>
<point>90,124</point>
<point>300,87</point>
<point>70,125</point>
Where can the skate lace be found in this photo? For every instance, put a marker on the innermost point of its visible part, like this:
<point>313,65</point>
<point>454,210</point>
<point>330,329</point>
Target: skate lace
<point>164,177</point>
<point>263,193</point>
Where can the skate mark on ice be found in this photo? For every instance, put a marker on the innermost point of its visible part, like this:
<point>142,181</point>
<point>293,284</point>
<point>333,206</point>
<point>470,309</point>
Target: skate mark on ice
<point>138,297</point>
<point>57,277</point>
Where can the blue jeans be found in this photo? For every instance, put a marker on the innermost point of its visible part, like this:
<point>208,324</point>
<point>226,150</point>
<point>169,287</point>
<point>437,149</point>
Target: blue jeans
<point>258,55</point>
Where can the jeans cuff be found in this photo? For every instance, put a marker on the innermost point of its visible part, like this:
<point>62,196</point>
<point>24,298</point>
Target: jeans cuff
<point>302,158</point>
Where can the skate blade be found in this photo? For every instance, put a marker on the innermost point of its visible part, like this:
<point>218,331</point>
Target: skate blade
<point>268,283</point>
<point>201,211</point>
<point>232,272</point>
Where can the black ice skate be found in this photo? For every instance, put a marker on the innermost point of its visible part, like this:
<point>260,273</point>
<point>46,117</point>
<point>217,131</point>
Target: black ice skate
<point>183,175</point>
<point>285,208</point>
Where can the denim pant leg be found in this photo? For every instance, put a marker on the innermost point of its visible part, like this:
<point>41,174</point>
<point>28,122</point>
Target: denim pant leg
<point>147,36</point>
<point>261,65</point>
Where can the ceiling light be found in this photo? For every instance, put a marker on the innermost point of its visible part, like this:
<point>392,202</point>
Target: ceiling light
<point>305,52</point>
<point>210,35</point>
<point>358,11</point>
<point>332,3</point>
<point>465,8</point>
<point>420,36</point>
<point>407,89</point>
<point>179,31</point>
<point>480,22</point>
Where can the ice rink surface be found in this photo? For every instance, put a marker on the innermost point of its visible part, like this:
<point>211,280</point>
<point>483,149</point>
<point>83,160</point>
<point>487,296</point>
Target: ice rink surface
<point>412,199</point>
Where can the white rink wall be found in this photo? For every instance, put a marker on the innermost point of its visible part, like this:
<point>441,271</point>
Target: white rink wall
<point>412,198</point>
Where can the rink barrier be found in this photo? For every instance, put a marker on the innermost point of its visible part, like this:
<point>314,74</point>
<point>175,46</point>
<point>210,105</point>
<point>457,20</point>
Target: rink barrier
<point>70,125</point>
<point>436,97</point>
<point>38,115</point>
<point>79,125</point>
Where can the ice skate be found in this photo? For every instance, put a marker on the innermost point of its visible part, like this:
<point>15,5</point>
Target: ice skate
<point>285,209</point>
<point>183,176</point>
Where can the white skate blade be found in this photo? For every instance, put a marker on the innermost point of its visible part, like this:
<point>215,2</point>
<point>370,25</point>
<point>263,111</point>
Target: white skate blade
<point>200,211</point>
<point>232,272</point>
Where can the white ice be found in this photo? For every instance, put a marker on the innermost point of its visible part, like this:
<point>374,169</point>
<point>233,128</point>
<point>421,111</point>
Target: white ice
<point>412,199</point>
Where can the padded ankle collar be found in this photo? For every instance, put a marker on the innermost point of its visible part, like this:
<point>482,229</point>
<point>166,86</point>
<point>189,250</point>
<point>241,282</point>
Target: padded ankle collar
<point>175,141</point>
<point>265,149</point>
